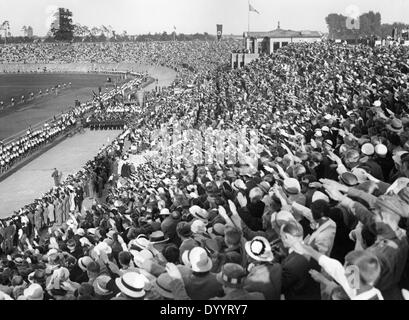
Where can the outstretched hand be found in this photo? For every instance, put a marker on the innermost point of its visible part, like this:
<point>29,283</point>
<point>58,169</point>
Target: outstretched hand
<point>317,276</point>
<point>241,199</point>
<point>173,271</point>
<point>334,185</point>
<point>334,193</point>
<point>334,157</point>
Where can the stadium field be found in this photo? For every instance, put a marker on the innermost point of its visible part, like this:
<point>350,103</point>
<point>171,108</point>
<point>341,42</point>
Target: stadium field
<point>20,117</point>
<point>16,85</point>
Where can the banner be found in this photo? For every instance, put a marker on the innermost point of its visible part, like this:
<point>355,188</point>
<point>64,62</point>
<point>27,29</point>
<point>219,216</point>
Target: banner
<point>395,33</point>
<point>219,31</point>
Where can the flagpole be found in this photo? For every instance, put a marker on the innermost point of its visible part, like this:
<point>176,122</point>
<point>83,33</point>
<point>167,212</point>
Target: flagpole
<point>248,16</point>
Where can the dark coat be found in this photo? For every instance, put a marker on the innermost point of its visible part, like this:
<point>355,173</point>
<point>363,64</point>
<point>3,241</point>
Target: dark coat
<point>203,286</point>
<point>251,215</point>
<point>297,283</point>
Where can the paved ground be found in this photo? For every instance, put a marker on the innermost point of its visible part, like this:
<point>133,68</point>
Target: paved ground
<point>164,75</point>
<point>34,179</point>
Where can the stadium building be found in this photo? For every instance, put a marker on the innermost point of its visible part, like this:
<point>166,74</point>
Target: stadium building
<point>256,43</point>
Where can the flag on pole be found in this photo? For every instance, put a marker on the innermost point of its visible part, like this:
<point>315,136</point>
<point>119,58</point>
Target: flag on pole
<point>252,9</point>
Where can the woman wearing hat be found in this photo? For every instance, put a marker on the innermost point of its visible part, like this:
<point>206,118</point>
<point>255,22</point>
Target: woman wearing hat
<point>264,274</point>
<point>59,211</point>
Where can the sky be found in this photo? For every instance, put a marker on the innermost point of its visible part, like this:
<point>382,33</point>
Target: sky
<point>191,16</point>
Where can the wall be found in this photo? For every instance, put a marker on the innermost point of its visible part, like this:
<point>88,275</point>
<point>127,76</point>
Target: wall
<point>245,58</point>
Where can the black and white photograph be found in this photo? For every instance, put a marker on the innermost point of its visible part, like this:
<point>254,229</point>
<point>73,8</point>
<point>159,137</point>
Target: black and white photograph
<point>204,152</point>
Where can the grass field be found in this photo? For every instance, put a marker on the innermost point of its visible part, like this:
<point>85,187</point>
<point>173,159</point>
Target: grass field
<point>16,85</point>
<point>20,117</point>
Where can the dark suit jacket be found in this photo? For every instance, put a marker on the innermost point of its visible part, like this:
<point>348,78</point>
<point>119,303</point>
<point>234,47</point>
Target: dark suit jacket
<point>203,286</point>
<point>297,283</point>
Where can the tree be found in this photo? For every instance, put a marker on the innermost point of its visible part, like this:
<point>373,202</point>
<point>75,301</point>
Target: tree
<point>386,28</point>
<point>370,24</point>
<point>336,25</point>
<point>63,28</point>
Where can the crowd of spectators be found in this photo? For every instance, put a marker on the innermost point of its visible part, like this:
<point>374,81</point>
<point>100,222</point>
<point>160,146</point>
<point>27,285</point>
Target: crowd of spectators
<point>322,214</point>
<point>177,55</point>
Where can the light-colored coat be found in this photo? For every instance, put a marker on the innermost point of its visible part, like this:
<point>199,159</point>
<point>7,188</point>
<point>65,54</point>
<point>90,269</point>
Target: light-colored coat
<point>322,239</point>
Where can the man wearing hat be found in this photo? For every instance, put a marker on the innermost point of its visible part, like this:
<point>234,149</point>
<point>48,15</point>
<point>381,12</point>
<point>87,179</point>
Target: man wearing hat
<point>292,189</point>
<point>252,211</point>
<point>169,224</point>
<point>132,286</point>
<point>384,159</point>
<point>203,284</point>
<point>74,248</point>
<point>79,272</point>
<point>368,151</point>
<point>33,292</point>
<point>184,232</point>
<point>232,278</point>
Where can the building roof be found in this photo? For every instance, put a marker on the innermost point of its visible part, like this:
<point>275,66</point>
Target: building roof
<point>281,33</point>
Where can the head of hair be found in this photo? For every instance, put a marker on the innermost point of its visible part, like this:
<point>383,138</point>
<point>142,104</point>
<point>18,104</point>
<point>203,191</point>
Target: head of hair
<point>293,228</point>
<point>233,257</point>
<point>319,209</point>
<point>171,253</point>
<point>86,290</point>
<point>93,267</point>
<point>367,263</point>
<point>124,258</point>
<point>368,234</point>
<point>17,280</point>
<point>394,139</point>
<point>232,236</point>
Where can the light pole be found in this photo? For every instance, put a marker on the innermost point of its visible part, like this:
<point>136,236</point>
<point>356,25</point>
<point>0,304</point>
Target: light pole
<point>6,33</point>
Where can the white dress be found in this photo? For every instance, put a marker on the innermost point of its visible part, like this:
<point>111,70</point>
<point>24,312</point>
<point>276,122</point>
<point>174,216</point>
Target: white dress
<point>72,202</point>
<point>51,215</point>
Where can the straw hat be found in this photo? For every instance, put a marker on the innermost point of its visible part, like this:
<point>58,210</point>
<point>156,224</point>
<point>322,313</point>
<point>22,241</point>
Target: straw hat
<point>259,249</point>
<point>132,284</point>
